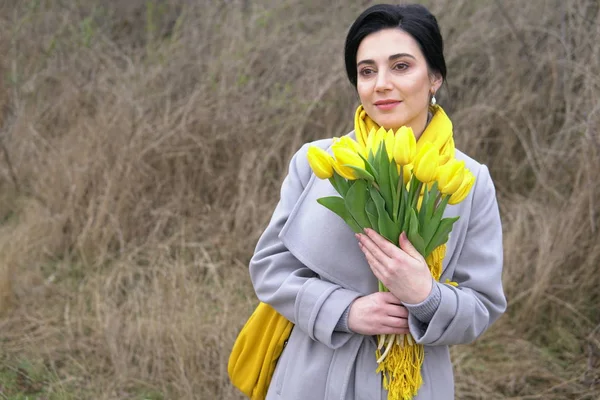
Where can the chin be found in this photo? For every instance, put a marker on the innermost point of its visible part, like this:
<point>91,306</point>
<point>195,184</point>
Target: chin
<point>391,123</point>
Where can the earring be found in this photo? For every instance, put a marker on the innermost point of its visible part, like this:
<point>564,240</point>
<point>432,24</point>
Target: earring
<point>433,100</point>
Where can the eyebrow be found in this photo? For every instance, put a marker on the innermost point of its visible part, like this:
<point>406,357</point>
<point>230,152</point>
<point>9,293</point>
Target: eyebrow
<point>390,58</point>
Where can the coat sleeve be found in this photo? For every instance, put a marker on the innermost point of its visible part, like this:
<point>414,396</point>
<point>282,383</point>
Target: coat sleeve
<point>291,288</point>
<point>461,314</point>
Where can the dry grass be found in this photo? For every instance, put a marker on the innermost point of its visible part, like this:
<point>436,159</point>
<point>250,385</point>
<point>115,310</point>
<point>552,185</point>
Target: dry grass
<point>142,147</point>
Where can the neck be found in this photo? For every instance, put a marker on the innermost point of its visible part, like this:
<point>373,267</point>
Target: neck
<point>420,123</point>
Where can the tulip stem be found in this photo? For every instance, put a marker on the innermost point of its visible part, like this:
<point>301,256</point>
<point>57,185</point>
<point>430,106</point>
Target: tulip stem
<point>415,199</point>
<point>399,186</point>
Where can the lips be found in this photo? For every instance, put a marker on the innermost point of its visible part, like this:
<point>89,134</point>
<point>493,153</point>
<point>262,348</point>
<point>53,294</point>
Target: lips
<point>386,102</point>
<point>386,105</point>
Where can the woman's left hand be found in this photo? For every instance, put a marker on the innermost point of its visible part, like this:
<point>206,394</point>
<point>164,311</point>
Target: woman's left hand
<point>401,269</point>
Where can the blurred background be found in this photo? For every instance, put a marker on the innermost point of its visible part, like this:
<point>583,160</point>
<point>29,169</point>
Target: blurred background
<point>143,144</point>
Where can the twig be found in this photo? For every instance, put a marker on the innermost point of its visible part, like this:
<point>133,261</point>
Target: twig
<point>11,170</point>
<point>518,34</point>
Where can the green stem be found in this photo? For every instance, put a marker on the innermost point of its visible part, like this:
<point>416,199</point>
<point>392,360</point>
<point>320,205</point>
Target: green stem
<point>334,184</point>
<point>399,187</point>
<point>415,199</point>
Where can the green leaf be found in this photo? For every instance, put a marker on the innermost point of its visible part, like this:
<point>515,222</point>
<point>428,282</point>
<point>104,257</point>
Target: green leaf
<point>403,208</point>
<point>434,221</point>
<point>372,214</point>
<point>441,234</point>
<point>387,227</point>
<point>361,173</point>
<point>395,188</point>
<point>356,202</point>
<point>427,207</point>
<point>413,233</point>
<point>433,194</point>
<point>413,185</point>
<point>340,184</point>
<point>384,178</point>
<point>423,209</point>
<point>369,166</point>
<point>337,205</point>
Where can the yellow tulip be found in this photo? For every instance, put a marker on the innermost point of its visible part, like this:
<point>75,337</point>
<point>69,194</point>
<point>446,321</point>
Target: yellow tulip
<point>370,139</point>
<point>444,158</point>
<point>320,162</point>
<point>450,176</point>
<point>351,144</point>
<point>344,172</point>
<point>389,140</point>
<point>374,140</point>
<point>344,157</point>
<point>405,146</point>
<point>426,163</point>
<point>406,172</point>
<point>464,189</point>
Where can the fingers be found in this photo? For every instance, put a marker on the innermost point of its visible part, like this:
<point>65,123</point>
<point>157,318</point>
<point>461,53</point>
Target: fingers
<point>395,325</point>
<point>387,247</point>
<point>376,266</point>
<point>396,311</point>
<point>393,305</point>
<point>378,313</point>
<point>366,243</point>
<point>389,298</point>
<point>407,246</point>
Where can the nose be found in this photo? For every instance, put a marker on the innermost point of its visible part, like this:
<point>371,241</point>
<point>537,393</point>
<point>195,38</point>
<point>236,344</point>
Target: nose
<point>383,82</point>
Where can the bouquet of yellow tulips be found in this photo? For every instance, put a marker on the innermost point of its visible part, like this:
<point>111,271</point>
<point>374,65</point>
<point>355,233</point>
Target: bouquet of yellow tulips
<point>390,187</point>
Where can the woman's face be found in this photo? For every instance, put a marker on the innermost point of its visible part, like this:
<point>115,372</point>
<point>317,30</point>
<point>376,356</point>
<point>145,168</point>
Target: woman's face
<point>393,81</point>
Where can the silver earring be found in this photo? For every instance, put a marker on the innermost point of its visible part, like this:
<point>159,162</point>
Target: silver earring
<point>433,100</point>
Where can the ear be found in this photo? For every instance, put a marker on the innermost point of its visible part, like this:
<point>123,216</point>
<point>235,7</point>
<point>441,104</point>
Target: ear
<point>436,81</point>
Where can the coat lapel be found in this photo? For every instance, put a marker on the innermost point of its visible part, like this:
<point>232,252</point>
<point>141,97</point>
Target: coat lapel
<point>323,242</point>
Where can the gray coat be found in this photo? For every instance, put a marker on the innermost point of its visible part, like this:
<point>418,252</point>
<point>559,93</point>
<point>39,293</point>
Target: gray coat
<point>308,266</point>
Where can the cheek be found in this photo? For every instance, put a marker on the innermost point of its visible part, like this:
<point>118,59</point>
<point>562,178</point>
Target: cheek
<point>417,87</point>
<point>363,92</point>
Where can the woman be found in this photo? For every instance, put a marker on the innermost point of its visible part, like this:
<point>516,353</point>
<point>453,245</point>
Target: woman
<point>313,270</point>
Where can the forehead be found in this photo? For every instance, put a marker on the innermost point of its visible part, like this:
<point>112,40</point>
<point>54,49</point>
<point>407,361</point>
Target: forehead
<point>378,46</point>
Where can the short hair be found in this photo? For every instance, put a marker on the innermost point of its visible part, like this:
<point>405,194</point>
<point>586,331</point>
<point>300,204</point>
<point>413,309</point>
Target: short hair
<point>414,19</point>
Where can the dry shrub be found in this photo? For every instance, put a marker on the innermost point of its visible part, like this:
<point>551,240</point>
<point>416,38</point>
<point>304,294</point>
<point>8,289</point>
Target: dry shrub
<point>143,148</point>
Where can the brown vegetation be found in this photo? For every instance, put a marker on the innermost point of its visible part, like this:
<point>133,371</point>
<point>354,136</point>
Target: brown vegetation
<point>143,144</point>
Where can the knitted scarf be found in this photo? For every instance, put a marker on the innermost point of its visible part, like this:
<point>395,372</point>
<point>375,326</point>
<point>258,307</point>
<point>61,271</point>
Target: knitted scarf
<point>401,369</point>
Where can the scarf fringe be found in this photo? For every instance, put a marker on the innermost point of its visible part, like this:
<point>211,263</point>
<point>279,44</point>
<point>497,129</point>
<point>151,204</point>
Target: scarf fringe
<point>401,369</point>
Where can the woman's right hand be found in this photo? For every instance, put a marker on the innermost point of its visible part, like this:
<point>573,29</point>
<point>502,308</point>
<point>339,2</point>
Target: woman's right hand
<point>378,313</point>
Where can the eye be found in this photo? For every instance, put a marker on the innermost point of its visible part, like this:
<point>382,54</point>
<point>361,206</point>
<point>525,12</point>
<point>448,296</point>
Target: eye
<point>366,71</point>
<point>400,66</point>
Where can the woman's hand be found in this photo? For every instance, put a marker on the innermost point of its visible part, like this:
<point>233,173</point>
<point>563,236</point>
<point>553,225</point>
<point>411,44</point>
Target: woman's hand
<point>401,269</point>
<point>378,313</point>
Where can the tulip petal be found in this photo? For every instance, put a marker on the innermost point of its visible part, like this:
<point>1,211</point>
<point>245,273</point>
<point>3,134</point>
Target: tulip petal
<point>320,162</point>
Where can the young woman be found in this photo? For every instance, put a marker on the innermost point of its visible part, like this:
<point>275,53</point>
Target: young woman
<point>313,270</point>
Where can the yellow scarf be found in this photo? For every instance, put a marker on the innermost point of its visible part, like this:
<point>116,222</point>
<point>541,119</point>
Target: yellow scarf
<point>402,367</point>
<point>438,131</point>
